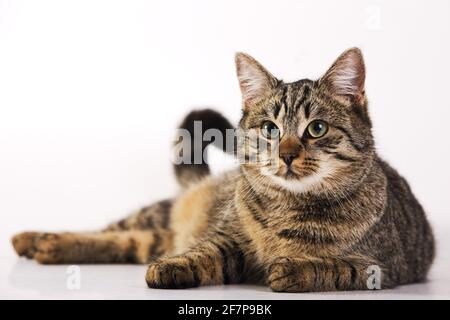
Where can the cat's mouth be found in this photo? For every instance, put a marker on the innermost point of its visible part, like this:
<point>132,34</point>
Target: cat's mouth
<point>293,172</point>
<point>290,174</point>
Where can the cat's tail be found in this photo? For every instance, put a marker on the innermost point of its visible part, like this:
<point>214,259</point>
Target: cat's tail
<point>196,134</point>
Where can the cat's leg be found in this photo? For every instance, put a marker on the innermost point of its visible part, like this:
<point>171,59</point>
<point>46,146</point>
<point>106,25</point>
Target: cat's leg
<point>321,274</point>
<point>147,232</point>
<point>217,259</point>
<point>133,246</point>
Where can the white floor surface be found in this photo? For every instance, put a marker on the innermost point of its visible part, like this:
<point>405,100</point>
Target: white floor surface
<point>25,279</point>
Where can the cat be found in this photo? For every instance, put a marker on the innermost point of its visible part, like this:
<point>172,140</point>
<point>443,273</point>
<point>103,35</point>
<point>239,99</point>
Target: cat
<point>329,213</point>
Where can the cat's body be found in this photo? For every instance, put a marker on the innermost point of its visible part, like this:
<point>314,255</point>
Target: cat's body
<point>325,226</point>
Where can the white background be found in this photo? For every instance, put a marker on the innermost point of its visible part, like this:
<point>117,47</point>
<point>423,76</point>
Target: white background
<point>91,92</point>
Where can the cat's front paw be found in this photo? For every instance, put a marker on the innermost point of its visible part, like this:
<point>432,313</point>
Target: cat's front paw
<point>172,273</point>
<point>24,243</point>
<point>287,275</point>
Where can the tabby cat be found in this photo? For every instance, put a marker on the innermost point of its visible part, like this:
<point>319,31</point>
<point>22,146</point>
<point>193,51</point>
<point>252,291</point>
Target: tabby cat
<point>330,212</point>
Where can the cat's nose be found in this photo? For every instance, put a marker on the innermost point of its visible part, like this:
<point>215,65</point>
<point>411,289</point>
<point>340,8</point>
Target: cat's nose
<point>290,149</point>
<point>288,158</point>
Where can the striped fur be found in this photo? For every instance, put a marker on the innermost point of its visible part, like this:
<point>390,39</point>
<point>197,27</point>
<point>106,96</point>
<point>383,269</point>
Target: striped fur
<point>315,225</point>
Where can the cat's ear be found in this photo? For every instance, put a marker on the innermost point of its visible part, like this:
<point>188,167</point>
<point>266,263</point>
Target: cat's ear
<point>255,81</point>
<point>345,78</point>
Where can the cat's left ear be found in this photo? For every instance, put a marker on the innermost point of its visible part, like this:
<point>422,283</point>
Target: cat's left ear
<point>345,78</point>
<point>254,80</point>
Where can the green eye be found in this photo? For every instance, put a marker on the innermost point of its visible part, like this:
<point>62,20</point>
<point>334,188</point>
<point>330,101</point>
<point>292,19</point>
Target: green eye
<point>317,129</point>
<point>270,130</point>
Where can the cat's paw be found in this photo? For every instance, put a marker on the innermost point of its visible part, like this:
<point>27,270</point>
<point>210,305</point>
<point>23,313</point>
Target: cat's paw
<point>44,247</point>
<point>171,273</point>
<point>287,275</point>
<point>49,249</point>
<point>24,243</point>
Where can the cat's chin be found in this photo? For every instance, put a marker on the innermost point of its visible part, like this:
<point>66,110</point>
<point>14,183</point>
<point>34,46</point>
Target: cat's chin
<point>299,185</point>
<point>296,183</point>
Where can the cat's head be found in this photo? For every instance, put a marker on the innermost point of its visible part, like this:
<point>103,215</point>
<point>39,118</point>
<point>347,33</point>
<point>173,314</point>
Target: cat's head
<point>320,129</point>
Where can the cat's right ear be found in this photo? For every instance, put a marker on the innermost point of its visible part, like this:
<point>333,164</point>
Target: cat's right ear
<point>255,81</point>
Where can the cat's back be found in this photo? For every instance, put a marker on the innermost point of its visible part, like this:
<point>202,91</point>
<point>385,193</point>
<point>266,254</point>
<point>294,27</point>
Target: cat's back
<point>405,225</point>
<point>400,201</point>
